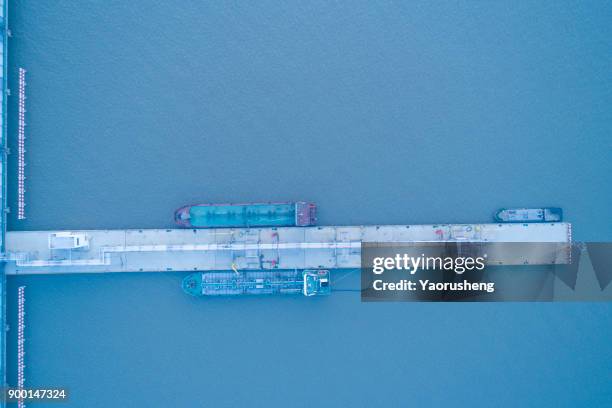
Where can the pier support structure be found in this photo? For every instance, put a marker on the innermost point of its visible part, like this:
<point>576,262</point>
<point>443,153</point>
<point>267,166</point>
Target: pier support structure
<point>21,147</point>
<point>21,342</point>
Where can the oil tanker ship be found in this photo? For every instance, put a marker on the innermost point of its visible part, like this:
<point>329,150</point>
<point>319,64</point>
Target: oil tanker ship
<point>310,282</point>
<point>290,214</point>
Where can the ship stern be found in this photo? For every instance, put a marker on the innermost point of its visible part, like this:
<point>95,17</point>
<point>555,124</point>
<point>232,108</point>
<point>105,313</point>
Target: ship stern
<point>305,214</point>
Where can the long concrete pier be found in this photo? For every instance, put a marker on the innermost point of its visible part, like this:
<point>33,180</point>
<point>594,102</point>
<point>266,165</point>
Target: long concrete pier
<point>160,250</point>
<point>4,92</point>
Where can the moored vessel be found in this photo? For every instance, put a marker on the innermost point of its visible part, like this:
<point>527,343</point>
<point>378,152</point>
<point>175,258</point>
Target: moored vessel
<point>310,282</point>
<point>290,214</point>
<point>525,215</point>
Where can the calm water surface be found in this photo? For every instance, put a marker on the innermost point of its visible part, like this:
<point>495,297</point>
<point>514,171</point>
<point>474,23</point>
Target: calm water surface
<point>395,113</point>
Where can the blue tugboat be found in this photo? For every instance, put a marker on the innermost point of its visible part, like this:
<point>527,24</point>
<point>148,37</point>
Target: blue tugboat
<point>524,215</point>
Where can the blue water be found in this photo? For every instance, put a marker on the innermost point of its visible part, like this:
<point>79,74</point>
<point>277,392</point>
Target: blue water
<point>391,113</point>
